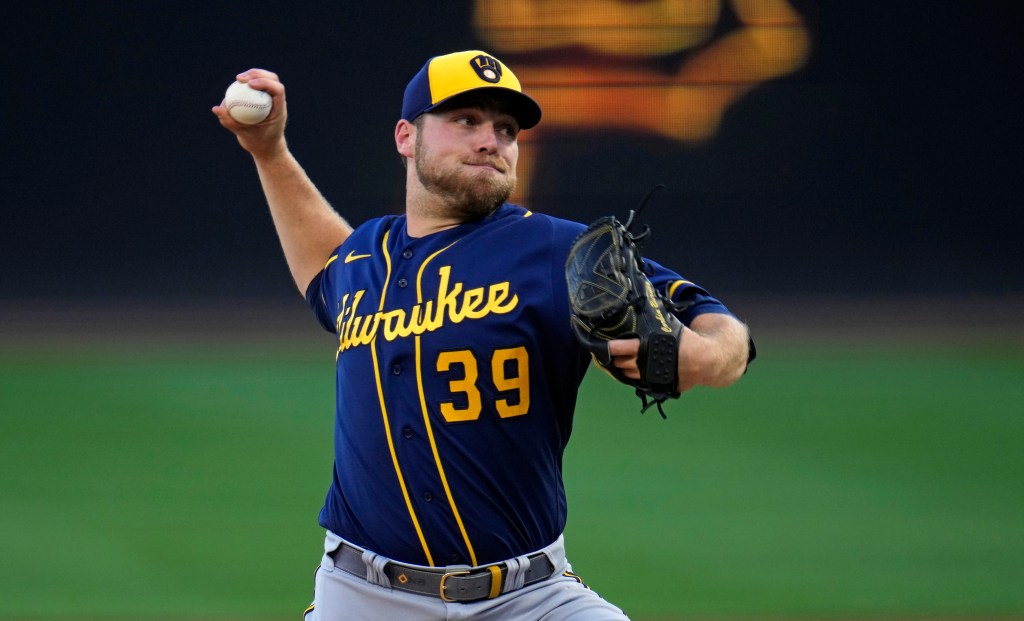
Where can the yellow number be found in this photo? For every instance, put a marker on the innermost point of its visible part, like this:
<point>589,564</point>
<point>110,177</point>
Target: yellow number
<point>519,382</point>
<point>510,371</point>
<point>466,385</point>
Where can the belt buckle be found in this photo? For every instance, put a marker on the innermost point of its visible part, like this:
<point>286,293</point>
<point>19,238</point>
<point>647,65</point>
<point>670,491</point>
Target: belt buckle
<point>444,578</point>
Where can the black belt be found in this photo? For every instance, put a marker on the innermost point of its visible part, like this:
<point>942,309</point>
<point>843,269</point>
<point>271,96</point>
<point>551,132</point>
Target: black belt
<point>450,585</point>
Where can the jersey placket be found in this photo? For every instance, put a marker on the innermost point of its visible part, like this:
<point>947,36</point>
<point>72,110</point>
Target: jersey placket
<point>400,368</point>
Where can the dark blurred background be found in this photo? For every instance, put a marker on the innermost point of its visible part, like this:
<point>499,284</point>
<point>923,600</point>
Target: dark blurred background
<point>886,166</point>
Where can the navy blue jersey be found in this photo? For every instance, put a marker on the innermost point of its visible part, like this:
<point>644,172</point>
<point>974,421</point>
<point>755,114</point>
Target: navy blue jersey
<point>457,375</point>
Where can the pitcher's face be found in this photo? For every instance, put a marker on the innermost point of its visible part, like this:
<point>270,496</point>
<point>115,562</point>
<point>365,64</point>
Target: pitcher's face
<point>468,156</point>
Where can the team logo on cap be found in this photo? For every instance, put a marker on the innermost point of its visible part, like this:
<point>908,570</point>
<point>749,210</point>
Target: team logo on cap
<point>487,67</point>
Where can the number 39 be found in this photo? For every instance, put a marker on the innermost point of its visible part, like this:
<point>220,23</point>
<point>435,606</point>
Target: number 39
<point>509,373</point>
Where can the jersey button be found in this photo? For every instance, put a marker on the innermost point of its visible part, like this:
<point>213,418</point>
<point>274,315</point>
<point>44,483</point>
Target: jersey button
<point>403,283</point>
<point>407,432</point>
<point>428,496</point>
<point>397,369</point>
<point>407,254</point>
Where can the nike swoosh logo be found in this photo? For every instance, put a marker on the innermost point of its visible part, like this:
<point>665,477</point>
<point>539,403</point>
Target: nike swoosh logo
<point>352,256</point>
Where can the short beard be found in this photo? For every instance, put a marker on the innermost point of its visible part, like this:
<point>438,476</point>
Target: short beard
<point>467,196</point>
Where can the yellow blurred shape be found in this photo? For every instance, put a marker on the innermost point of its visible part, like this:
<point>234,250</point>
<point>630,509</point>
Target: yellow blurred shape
<point>599,64</point>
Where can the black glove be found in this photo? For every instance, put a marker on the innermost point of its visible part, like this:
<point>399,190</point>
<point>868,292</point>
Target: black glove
<point>612,298</point>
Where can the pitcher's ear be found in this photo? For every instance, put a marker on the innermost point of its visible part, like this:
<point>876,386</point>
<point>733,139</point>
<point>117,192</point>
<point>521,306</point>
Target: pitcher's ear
<point>405,138</point>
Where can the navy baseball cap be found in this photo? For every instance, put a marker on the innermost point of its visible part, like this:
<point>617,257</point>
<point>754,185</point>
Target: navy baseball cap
<point>451,75</point>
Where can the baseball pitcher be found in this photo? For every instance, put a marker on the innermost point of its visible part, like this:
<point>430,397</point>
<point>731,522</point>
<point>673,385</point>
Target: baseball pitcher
<point>463,329</point>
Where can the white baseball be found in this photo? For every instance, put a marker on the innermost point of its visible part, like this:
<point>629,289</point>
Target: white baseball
<point>246,104</point>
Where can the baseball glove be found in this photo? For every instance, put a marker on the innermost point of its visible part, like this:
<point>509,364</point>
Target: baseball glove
<point>612,298</point>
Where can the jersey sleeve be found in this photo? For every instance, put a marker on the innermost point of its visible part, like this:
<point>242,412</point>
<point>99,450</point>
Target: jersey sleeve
<point>689,299</point>
<point>316,297</point>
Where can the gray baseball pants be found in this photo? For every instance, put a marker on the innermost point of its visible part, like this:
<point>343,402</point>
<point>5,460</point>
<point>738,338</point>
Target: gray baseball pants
<point>342,596</point>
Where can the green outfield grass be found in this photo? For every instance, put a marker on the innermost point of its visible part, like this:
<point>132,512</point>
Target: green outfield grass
<point>177,480</point>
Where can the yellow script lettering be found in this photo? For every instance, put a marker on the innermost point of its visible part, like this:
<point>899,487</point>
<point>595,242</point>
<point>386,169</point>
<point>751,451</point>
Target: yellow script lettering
<point>453,304</point>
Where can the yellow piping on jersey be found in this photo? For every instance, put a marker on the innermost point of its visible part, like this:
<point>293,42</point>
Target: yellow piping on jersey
<point>384,414</point>
<point>331,260</point>
<point>387,263</point>
<point>426,414</point>
<point>679,283</point>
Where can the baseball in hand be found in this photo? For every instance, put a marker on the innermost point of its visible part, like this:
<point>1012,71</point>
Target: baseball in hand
<point>246,104</point>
